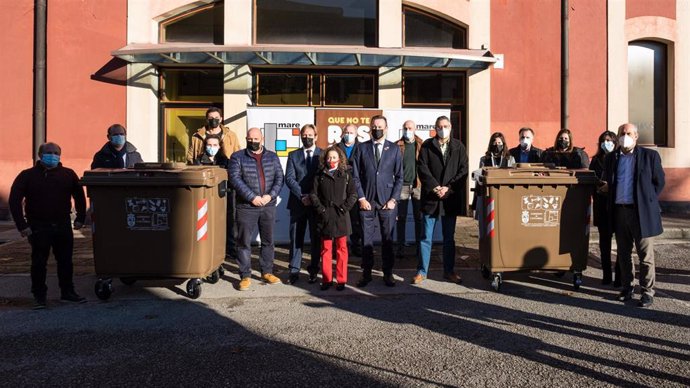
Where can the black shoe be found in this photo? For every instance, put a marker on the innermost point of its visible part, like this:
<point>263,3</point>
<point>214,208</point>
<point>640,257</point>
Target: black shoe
<point>326,285</point>
<point>607,278</point>
<point>340,287</point>
<point>364,281</point>
<point>646,300</point>
<point>312,276</point>
<point>389,281</point>
<point>626,295</point>
<point>40,302</point>
<point>72,296</point>
<point>293,278</point>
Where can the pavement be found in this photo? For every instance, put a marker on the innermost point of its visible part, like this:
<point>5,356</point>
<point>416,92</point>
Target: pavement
<point>537,332</point>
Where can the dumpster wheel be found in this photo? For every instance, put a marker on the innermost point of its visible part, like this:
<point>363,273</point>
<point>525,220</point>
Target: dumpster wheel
<point>103,288</point>
<point>213,277</point>
<point>194,288</point>
<point>496,281</point>
<point>577,280</point>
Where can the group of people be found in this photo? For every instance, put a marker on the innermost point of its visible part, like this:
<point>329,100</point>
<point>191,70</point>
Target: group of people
<point>349,190</point>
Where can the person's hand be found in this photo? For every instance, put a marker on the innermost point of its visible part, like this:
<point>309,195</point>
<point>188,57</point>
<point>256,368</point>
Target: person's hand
<point>364,204</point>
<point>445,193</point>
<point>257,201</point>
<point>25,232</point>
<point>78,225</point>
<point>390,205</point>
<point>603,187</point>
<point>306,200</point>
<point>265,199</point>
<point>441,191</point>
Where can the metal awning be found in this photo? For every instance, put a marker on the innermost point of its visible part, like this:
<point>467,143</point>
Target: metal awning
<point>194,53</point>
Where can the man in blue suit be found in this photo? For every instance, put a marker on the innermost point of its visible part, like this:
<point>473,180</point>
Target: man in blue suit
<point>634,179</point>
<point>378,176</point>
<point>302,165</point>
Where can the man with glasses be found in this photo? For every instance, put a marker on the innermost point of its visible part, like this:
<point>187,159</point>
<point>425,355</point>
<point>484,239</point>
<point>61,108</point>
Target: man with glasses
<point>46,191</point>
<point>378,176</point>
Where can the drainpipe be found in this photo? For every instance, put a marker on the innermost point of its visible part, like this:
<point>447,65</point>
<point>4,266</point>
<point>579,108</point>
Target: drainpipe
<point>39,119</point>
<point>564,64</point>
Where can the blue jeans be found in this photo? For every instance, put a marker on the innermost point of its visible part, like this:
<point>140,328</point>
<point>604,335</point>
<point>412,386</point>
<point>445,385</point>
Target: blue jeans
<point>448,229</point>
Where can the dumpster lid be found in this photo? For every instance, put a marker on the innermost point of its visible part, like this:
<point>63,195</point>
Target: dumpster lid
<point>538,174</point>
<point>156,174</point>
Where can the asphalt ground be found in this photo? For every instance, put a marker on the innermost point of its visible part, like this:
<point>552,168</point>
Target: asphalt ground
<point>536,332</point>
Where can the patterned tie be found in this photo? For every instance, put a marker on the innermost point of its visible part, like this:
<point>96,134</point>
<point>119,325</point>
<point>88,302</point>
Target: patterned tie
<point>378,152</point>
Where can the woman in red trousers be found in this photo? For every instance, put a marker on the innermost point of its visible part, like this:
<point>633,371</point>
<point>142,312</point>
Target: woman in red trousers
<point>333,196</point>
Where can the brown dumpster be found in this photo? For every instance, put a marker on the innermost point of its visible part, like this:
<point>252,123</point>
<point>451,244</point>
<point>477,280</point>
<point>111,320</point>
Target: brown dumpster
<point>158,220</point>
<point>534,218</point>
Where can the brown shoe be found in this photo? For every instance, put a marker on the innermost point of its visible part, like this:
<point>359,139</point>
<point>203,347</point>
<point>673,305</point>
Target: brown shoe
<point>418,279</point>
<point>244,284</point>
<point>452,277</point>
<point>270,278</point>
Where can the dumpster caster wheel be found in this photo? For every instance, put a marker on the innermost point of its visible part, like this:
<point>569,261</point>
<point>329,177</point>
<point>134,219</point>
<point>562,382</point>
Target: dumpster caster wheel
<point>194,288</point>
<point>103,289</point>
<point>221,271</point>
<point>496,282</point>
<point>577,281</point>
<point>128,281</point>
<point>213,277</point>
<point>486,274</point>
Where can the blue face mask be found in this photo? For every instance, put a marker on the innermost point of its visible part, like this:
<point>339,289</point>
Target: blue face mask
<point>50,160</point>
<point>212,151</point>
<point>117,140</point>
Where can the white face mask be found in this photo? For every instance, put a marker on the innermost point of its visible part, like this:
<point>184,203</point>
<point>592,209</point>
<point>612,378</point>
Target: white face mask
<point>607,146</point>
<point>349,138</point>
<point>443,133</point>
<point>525,143</point>
<point>408,135</point>
<point>626,142</point>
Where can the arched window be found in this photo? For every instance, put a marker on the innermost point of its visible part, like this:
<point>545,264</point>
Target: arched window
<point>426,30</point>
<point>648,99</point>
<point>339,22</point>
<point>199,25</point>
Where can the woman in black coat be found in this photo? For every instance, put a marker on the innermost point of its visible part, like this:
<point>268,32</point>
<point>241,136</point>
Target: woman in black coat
<point>607,144</point>
<point>333,196</point>
<point>564,154</point>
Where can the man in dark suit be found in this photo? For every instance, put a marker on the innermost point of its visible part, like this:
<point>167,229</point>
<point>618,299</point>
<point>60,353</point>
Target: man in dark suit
<point>526,152</point>
<point>348,144</point>
<point>302,165</point>
<point>378,176</point>
<point>634,179</point>
<point>442,169</point>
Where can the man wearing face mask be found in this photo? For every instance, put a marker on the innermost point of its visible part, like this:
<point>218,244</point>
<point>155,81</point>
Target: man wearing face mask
<point>442,169</point>
<point>214,121</point>
<point>378,176</point>
<point>257,177</point>
<point>526,152</point>
<point>46,192</point>
<point>348,144</point>
<point>409,144</point>
<point>634,179</point>
<point>117,152</point>
<point>302,165</point>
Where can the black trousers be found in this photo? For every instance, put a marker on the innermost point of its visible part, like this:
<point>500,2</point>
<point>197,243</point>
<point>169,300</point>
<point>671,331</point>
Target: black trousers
<point>298,228</point>
<point>60,239</point>
<point>386,221</point>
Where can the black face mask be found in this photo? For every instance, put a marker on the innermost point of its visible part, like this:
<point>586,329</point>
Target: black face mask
<point>308,142</point>
<point>377,133</point>
<point>497,148</point>
<point>563,144</point>
<point>254,146</point>
<point>212,123</point>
